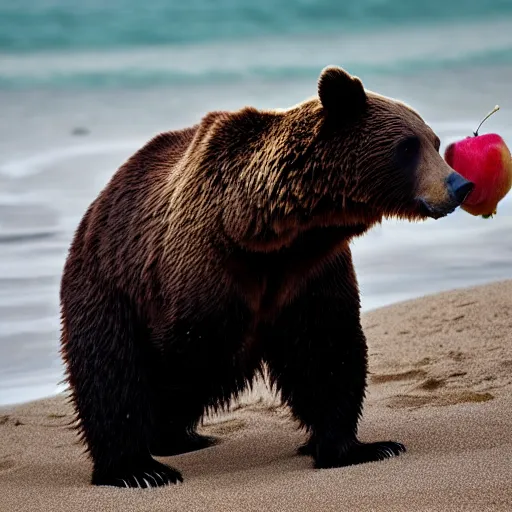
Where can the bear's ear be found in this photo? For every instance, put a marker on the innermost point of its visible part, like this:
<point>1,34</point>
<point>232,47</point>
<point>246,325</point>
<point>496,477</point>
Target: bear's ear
<point>340,93</point>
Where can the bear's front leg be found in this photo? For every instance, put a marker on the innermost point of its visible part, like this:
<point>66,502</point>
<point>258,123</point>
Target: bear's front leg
<point>317,358</point>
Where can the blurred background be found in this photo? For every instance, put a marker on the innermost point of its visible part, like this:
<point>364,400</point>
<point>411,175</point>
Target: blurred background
<point>83,84</point>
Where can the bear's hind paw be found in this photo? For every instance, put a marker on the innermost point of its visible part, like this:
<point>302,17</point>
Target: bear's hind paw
<point>358,453</point>
<point>154,474</point>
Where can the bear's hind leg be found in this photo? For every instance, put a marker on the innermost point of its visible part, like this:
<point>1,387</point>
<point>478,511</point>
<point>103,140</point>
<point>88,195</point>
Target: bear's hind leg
<point>167,442</point>
<point>174,420</point>
<point>101,345</point>
<point>194,377</point>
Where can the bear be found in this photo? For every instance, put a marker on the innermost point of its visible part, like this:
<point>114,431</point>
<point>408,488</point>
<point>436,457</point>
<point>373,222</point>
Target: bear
<point>221,252</point>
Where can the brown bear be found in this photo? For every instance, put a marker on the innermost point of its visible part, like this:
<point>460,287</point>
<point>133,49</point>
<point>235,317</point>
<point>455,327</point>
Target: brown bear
<point>222,249</point>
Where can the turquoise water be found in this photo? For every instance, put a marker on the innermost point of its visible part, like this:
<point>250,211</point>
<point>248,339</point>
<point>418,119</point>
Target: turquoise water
<point>35,25</point>
<point>84,84</point>
<point>128,43</point>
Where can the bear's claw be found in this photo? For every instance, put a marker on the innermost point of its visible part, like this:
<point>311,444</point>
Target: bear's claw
<point>154,474</point>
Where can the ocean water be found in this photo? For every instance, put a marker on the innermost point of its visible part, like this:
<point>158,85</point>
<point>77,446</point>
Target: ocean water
<point>84,84</point>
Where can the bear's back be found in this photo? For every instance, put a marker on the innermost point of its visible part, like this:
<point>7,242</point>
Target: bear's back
<point>112,235</point>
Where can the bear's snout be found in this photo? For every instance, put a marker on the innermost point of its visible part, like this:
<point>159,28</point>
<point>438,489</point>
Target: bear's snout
<point>457,190</point>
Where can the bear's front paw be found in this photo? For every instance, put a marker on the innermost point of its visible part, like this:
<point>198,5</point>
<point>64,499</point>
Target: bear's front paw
<point>355,452</point>
<point>150,474</point>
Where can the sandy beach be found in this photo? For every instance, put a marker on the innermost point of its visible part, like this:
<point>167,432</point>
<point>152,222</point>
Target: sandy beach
<point>441,381</point>
<point>83,85</point>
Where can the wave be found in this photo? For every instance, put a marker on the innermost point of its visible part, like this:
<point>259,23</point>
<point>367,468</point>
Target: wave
<point>30,236</point>
<point>35,25</point>
<point>388,51</point>
<point>37,163</point>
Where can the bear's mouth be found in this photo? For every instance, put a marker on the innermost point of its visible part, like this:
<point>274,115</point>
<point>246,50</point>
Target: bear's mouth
<point>437,212</point>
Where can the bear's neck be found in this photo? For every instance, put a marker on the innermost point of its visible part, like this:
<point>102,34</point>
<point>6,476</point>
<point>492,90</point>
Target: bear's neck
<point>327,224</point>
<point>270,279</point>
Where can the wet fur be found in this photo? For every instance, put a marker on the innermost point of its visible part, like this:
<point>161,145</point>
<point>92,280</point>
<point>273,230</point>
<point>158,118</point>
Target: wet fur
<point>220,248</point>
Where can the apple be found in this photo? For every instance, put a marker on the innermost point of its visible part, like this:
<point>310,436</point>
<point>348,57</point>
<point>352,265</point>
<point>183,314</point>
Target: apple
<point>486,161</point>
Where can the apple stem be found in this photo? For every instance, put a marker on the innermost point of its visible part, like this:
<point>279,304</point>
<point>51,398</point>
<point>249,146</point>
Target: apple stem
<point>493,111</point>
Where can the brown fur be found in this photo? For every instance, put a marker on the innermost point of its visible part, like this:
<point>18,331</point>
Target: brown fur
<point>248,208</point>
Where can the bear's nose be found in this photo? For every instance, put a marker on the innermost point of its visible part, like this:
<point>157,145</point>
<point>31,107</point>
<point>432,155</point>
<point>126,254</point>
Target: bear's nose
<point>459,187</point>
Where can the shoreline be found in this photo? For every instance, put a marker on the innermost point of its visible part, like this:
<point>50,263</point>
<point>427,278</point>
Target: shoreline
<point>364,312</point>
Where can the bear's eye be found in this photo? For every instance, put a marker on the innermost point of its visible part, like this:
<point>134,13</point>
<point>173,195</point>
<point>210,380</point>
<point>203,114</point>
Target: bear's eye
<point>408,151</point>
<point>409,146</point>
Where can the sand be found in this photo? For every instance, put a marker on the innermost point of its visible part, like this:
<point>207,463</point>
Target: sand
<point>441,382</point>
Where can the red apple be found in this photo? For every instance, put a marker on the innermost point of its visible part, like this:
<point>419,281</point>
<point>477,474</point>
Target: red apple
<point>486,161</point>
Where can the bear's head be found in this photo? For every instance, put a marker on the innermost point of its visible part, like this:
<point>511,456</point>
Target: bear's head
<point>346,158</point>
<point>386,156</point>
